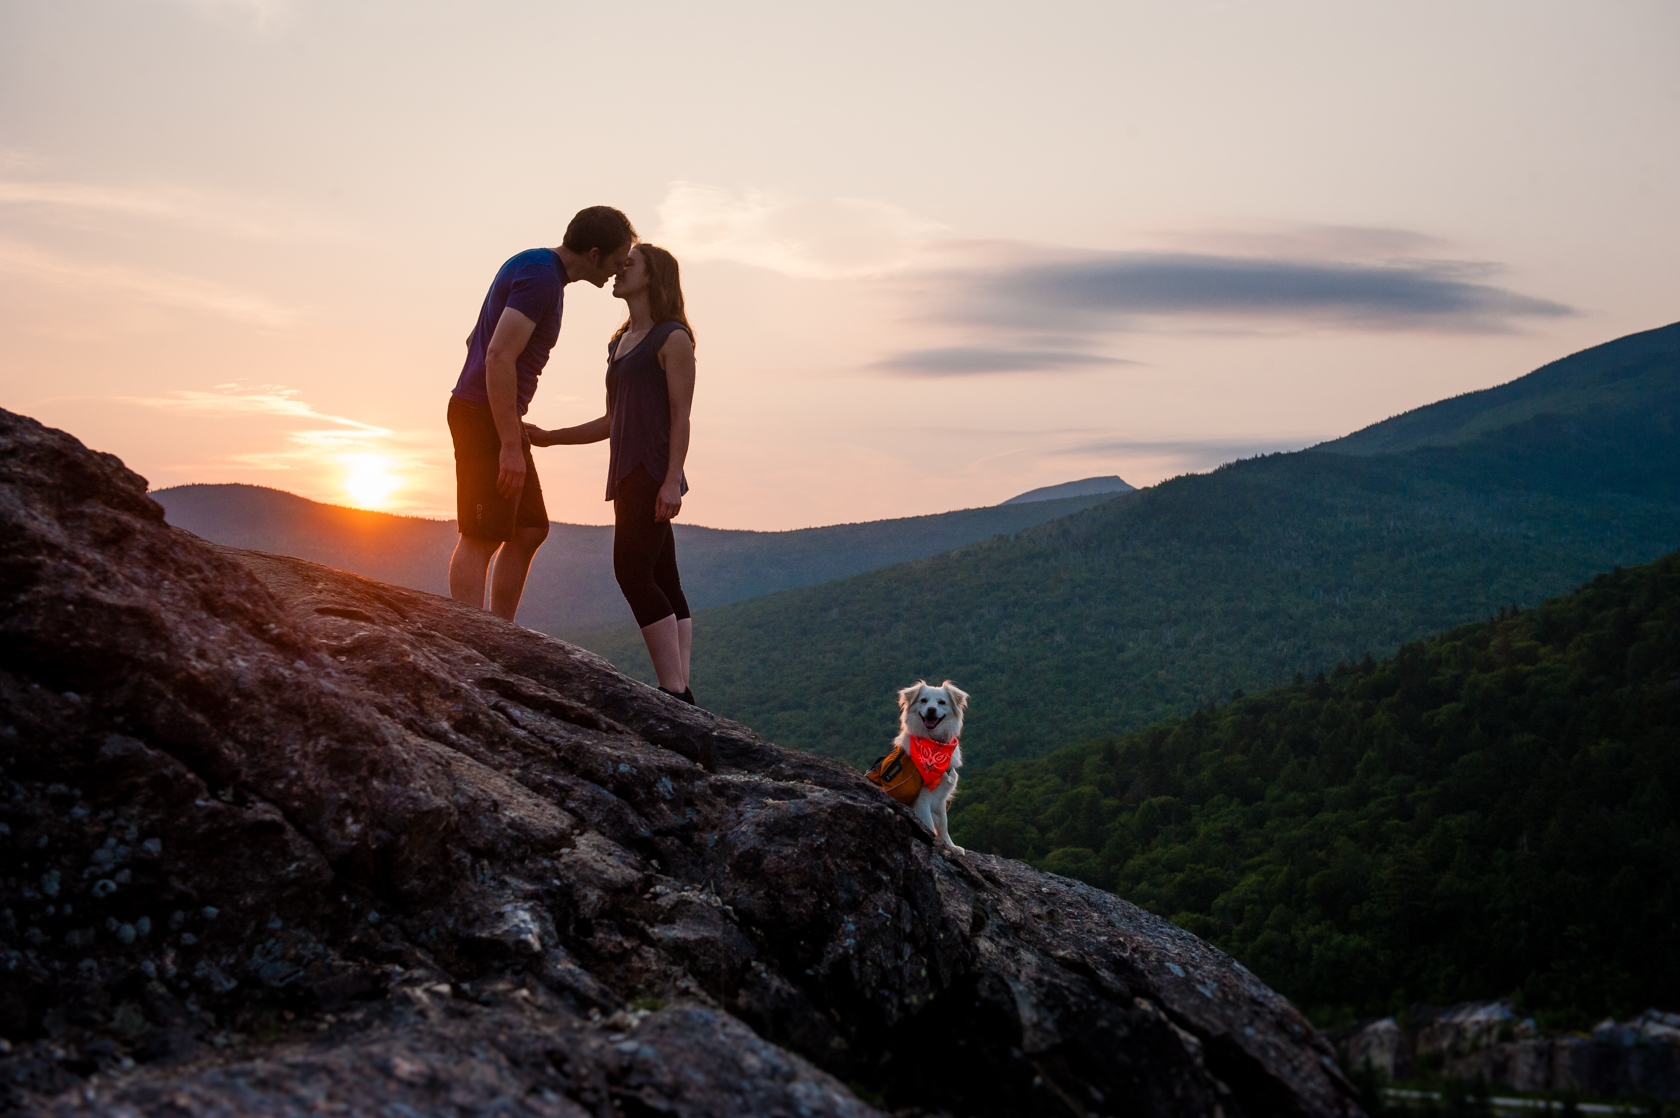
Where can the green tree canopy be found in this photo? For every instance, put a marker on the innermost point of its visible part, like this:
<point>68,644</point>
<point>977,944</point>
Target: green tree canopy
<point>1490,811</point>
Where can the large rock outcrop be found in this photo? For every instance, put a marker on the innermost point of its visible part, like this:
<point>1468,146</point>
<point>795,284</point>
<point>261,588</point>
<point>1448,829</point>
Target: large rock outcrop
<point>281,840</point>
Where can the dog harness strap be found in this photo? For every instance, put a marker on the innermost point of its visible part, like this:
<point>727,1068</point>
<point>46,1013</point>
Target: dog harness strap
<point>931,758</point>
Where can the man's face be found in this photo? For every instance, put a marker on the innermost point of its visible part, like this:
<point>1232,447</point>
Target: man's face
<point>610,265</point>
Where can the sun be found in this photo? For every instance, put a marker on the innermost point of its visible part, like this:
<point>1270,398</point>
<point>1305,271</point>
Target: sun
<point>369,481</point>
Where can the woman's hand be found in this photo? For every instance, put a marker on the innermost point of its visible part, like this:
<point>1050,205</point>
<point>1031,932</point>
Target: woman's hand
<point>538,436</point>
<point>669,502</point>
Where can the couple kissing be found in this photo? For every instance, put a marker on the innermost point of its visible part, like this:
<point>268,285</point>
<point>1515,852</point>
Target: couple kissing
<point>649,395</point>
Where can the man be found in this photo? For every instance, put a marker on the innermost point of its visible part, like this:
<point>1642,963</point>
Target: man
<point>499,500</point>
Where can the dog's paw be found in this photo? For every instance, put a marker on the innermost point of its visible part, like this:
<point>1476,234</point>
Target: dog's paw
<point>953,848</point>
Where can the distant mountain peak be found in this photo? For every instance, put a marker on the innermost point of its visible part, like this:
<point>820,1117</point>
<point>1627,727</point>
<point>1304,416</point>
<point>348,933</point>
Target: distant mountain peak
<point>1084,487</point>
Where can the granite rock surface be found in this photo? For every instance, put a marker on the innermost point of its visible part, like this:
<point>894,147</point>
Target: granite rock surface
<point>276,839</point>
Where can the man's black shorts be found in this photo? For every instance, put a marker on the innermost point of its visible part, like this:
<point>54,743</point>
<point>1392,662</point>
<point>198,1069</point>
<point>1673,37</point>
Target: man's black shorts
<point>480,510</point>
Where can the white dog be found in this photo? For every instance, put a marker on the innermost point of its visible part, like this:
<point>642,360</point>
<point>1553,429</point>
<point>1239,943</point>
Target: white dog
<point>930,721</point>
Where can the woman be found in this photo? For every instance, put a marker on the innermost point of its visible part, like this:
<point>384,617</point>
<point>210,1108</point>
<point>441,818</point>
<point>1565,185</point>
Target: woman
<point>650,389</point>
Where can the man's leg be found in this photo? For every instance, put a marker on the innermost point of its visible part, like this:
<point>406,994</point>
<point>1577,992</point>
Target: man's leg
<point>467,567</point>
<point>479,509</point>
<point>513,563</point>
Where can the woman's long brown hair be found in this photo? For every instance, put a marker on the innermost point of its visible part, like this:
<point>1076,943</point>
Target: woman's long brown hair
<point>665,298</point>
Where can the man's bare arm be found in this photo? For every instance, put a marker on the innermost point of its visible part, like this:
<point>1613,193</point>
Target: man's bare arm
<point>501,384</point>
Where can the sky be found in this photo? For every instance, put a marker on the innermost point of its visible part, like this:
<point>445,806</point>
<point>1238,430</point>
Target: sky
<point>935,255</point>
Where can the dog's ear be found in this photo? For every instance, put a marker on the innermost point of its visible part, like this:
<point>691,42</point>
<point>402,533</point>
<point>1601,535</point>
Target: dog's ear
<point>908,695</point>
<point>959,697</point>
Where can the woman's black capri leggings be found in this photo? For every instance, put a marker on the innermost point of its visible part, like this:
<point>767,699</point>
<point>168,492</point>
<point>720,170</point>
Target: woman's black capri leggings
<point>645,552</point>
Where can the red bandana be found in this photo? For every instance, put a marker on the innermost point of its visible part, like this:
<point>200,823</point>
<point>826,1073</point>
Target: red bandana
<point>931,758</point>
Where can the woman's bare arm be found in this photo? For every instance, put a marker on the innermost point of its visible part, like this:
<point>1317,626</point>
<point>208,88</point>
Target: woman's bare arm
<point>592,432</point>
<point>677,356</point>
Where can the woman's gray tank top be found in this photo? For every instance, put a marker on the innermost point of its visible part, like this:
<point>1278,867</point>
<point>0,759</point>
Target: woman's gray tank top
<point>640,402</point>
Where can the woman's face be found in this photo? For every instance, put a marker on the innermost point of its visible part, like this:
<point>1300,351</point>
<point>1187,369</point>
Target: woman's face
<point>632,278</point>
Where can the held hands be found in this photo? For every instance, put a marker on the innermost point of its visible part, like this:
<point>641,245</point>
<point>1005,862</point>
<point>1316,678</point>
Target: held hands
<point>669,501</point>
<point>510,476</point>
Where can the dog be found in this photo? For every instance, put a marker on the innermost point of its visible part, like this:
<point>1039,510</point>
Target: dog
<point>935,716</point>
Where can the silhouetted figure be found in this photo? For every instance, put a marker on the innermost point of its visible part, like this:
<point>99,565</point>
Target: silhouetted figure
<point>499,502</point>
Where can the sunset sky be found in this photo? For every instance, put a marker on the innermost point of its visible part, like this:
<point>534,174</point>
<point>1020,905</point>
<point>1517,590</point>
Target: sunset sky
<point>935,254</point>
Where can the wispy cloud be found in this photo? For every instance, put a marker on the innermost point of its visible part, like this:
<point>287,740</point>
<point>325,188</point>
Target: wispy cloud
<point>997,301</point>
<point>949,361</point>
<point>161,289</point>
<point>1106,292</point>
<point>828,238</point>
<point>331,457</point>
<point>238,400</point>
<point>997,297</point>
<point>1296,241</point>
<point>1162,457</point>
<point>194,209</point>
<point>264,14</point>
<point>13,161</point>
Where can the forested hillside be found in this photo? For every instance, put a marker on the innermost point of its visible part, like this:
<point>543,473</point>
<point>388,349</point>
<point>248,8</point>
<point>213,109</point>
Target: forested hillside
<point>1166,599</point>
<point>571,590</point>
<point>1492,810</point>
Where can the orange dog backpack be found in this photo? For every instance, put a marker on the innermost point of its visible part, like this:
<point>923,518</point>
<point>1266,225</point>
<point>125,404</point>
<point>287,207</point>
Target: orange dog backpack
<point>896,776</point>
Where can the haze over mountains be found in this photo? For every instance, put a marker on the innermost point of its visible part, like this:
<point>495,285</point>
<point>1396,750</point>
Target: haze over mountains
<point>571,589</point>
<point>1171,598</point>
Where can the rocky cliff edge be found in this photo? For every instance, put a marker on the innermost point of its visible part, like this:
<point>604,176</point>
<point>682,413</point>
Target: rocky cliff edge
<point>276,839</point>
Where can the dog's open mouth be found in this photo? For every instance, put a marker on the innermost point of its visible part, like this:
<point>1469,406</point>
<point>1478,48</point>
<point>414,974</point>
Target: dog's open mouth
<point>932,718</point>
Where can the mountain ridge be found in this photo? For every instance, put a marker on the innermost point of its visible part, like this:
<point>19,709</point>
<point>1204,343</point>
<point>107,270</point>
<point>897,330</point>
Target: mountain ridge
<point>1169,598</point>
<point>571,589</point>
<point>1556,388</point>
<point>1084,487</point>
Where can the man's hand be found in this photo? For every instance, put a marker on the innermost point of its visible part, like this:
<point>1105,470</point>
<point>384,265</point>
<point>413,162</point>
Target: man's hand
<point>510,478</point>
<point>669,502</point>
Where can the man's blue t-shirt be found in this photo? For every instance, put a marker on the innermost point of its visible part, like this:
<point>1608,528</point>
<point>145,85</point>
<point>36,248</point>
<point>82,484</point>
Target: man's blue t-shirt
<point>534,284</point>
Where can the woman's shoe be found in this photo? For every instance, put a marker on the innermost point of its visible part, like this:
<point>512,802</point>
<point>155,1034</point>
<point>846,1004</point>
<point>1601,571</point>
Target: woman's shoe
<point>686,695</point>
